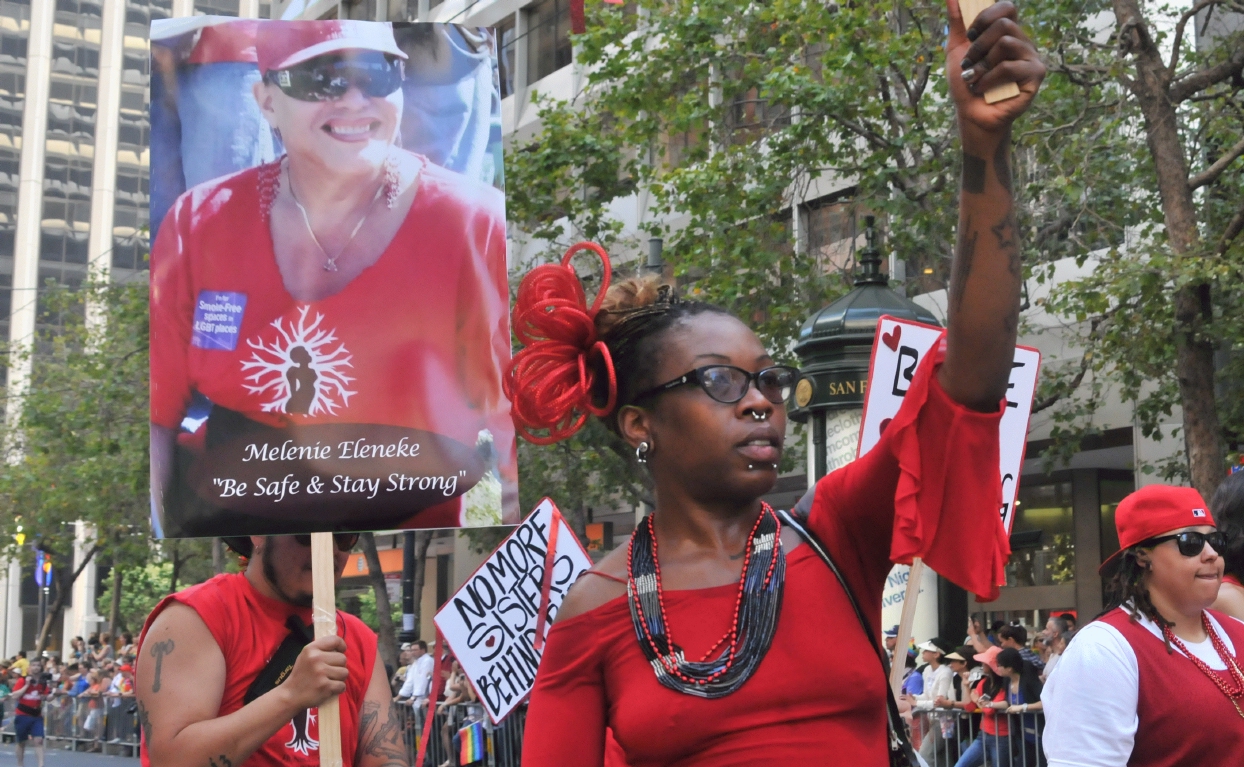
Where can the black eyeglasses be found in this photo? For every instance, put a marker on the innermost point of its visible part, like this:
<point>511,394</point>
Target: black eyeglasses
<point>1191,543</point>
<point>344,541</point>
<point>326,78</point>
<point>728,384</point>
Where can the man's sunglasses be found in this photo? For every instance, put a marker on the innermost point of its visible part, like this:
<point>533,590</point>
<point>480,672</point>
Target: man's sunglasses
<point>728,384</point>
<point>1191,544</point>
<point>326,78</point>
<point>345,541</point>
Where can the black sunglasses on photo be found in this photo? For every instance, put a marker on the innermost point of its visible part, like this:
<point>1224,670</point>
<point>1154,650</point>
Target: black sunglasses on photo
<point>345,542</point>
<point>1191,543</point>
<point>729,384</point>
<point>329,77</point>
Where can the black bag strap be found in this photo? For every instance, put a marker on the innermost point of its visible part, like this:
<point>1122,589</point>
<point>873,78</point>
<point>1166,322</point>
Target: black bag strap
<point>282,662</point>
<point>899,744</point>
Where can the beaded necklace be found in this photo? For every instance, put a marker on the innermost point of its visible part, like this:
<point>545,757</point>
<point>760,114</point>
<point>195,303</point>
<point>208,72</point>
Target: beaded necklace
<point>756,609</point>
<point>1235,690</point>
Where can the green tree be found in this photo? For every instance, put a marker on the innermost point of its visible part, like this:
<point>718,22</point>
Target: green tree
<point>722,116</point>
<point>1158,313</point>
<point>77,450</point>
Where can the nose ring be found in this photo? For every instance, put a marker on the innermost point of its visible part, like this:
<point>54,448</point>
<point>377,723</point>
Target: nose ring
<point>758,416</point>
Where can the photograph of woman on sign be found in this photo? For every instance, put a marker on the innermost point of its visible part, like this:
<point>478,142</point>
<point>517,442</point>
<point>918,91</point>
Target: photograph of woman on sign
<point>328,326</point>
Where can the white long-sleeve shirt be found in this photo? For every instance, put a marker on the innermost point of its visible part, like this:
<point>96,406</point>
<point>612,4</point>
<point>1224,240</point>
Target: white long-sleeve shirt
<point>937,681</point>
<point>418,678</point>
<point>1091,696</point>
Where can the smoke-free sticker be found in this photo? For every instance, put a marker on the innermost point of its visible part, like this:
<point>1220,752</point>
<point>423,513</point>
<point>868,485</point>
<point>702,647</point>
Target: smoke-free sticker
<point>218,319</point>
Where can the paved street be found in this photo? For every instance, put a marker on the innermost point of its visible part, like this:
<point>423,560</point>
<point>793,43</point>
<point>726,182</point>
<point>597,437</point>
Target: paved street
<point>58,758</point>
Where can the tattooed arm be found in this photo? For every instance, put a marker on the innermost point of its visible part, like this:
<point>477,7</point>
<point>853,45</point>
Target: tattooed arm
<point>983,306</point>
<point>180,682</point>
<point>381,738</point>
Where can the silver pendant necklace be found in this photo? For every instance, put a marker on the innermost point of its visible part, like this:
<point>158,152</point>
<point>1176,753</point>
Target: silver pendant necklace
<point>330,262</point>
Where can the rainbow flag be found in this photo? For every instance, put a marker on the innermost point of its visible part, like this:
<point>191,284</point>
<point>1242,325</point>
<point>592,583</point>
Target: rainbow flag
<point>475,745</point>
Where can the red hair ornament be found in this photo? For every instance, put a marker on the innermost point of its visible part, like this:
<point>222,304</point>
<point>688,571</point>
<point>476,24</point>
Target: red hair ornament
<point>550,381</point>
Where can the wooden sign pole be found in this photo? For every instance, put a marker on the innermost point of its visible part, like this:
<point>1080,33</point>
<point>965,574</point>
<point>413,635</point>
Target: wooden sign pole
<point>971,9</point>
<point>910,597</point>
<point>324,616</point>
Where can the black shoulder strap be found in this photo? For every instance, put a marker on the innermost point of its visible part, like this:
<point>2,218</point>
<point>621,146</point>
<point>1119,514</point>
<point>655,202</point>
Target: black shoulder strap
<point>898,733</point>
<point>282,661</point>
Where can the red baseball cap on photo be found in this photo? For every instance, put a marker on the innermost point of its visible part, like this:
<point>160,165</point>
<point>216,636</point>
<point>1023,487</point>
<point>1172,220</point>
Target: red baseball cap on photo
<point>282,44</point>
<point>1152,511</point>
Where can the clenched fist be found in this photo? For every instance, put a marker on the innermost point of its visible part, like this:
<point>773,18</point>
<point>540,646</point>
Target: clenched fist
<point>319,673</point>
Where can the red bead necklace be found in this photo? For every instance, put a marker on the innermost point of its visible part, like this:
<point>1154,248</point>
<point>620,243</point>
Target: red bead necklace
<point>1235,690</point>
<point>670,660</point>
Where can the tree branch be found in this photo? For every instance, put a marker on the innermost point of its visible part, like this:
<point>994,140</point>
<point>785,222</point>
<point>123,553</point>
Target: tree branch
<point>1234,227</point>
<point>1198,81</point>
<point>1211,173</point>
<point>1179,29</point>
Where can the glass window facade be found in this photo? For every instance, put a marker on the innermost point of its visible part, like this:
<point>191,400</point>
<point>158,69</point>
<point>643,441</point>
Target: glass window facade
<point>14,26</point>
<point>214,8</point>
<point>1043,537</point>
<point>70,142</point>
<point>831,235</point>
<point>548,38</point>
<point>130,226</point>
<point>506,47</point>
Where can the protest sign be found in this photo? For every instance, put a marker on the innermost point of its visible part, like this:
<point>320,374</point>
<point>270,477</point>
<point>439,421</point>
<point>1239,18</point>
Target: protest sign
<point>497,621</point>
<point>901,346</point>
<point>329,296</point>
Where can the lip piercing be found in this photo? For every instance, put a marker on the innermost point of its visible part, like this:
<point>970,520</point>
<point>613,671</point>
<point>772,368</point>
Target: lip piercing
<point>753,466</point>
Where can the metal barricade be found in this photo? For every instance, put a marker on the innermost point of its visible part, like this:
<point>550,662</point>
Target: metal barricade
<point>954,738</point>
<point>502,745</point>
<point>103,723</point>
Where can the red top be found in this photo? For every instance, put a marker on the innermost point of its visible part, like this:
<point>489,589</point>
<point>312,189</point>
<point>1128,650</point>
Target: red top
<point>820,685</point>
<point>1183,719</point>
<point>1232,580</point>
<point>993,722</point>
<point>30,702</point>
<point>418,339</point>
<point>248,627</point>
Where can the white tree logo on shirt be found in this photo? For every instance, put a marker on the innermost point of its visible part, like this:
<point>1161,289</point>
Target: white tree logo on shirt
<point>300,371</point>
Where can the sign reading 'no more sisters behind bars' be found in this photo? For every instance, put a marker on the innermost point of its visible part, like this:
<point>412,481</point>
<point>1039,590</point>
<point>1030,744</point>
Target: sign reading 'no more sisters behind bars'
<point>491,622</point>
<point>306,378</point>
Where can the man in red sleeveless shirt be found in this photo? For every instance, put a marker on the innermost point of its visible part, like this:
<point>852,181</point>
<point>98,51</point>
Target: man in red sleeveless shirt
<point>221,681</point>
<point>30,691</point>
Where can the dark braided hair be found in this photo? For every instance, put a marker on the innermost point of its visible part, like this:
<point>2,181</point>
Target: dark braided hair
<point>636,314</point>
<point>1128,587</point>
<point>1228,510</point>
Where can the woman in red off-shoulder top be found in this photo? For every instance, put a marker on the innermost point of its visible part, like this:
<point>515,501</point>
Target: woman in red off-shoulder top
<point>731,650</point>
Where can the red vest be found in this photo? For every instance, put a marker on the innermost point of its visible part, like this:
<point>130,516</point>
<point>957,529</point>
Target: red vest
<point>248,627</point>
<point>1184,719</point>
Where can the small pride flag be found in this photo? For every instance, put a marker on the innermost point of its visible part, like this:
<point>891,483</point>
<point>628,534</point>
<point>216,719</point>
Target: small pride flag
<point>474,744</point>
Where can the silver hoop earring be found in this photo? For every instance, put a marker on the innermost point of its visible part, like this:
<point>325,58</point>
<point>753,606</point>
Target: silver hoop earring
<point>641,452</point>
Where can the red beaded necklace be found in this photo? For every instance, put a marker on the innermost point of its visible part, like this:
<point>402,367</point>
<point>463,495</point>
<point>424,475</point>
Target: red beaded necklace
<point>751,628</point>
<point>1235,690</point>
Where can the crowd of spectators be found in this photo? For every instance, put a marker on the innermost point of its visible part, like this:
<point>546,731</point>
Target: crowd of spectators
<point>980,702</point>
<point>455,702</point>
<point>95,677</point>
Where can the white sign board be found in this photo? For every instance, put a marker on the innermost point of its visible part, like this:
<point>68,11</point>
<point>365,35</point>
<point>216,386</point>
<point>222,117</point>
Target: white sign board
<point>900,349</point>
<point>925,625</point>
<point>490,623</point>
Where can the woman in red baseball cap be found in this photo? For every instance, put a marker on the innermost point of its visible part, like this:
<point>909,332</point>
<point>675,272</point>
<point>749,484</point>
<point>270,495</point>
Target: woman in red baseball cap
<point>350,283</point>
<point>1155,681</point>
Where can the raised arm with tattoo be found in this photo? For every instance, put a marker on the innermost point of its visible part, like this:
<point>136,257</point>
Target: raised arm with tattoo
<point>983,307</point>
